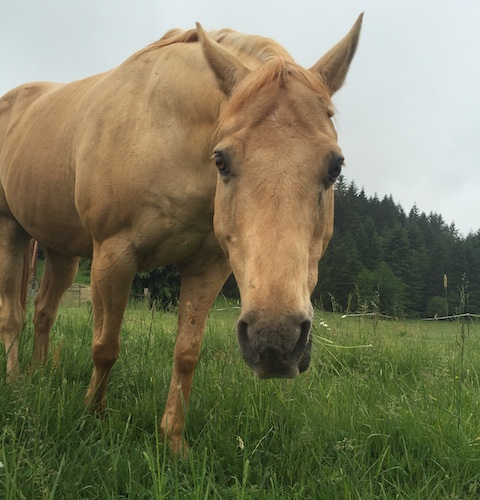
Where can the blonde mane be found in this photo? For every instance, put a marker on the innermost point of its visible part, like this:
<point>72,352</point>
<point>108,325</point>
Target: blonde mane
<point>269,61</point>
<point>255,47</point>
<point>243,46</point>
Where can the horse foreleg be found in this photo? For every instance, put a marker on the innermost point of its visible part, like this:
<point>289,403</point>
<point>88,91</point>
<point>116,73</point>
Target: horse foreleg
<point>59,273</point>
<point>13,242</point>
<point>201,284</point>
<point>112,273</point>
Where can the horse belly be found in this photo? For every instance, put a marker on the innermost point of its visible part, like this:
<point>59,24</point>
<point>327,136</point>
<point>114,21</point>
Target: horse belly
<point>53,223</point>
<point>36,161</point>
<point>41,199</point>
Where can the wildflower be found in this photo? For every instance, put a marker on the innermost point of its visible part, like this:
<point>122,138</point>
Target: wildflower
<point>475,441</point>
<point>1,465</point>
<point>345,445</point>
<point>241,444</point>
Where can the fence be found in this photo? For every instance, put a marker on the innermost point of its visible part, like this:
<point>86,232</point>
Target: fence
<point>454,316</point>
<point>77,295</point>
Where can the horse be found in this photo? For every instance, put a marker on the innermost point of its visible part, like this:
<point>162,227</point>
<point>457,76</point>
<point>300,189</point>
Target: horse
<point>215,152</point>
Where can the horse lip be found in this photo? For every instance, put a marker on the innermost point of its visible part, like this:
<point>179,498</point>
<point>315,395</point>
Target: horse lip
<point>265,368</point>
<point>263,375</point>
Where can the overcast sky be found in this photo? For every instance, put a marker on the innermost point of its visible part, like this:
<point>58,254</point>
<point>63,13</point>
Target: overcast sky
<point>408,117</point>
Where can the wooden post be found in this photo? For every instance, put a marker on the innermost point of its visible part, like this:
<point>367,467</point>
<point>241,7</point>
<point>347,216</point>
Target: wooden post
<point>148,297</point>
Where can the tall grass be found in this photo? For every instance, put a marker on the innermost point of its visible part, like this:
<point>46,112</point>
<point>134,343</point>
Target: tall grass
<point>376,416</point>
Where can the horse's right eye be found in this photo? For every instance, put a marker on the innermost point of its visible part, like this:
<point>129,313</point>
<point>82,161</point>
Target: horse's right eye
<point>335,169</point>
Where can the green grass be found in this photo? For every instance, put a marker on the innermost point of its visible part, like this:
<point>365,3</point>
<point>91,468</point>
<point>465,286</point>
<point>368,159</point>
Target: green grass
<point>82,277</point>
<point>387,410</point>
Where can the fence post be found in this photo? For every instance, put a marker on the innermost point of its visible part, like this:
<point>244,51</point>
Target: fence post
<point>148,297</point>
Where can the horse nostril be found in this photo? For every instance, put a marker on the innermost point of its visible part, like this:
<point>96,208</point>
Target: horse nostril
<point>242,327</point>
<point>305,326</point>
<point>300,345</point>
<point>249,353</point>
<point>304,362</point>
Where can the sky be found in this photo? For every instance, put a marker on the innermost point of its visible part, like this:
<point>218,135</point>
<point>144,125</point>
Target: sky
<point>408,116</point>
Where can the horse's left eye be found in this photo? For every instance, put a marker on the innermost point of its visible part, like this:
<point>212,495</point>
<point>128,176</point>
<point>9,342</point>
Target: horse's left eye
<point>335,169</point>
<point>221,164</point>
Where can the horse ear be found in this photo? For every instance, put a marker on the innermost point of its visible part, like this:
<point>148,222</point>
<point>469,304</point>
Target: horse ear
<point>333,66</point>
<point>228,69</point>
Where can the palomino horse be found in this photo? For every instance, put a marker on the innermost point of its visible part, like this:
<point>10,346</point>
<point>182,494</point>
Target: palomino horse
<point>119,167</point>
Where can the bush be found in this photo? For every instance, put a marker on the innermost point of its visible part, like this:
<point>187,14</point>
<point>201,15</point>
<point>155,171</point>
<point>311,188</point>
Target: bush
<point>380,288</point>
<point>437,306</point>
<point>163,284</point>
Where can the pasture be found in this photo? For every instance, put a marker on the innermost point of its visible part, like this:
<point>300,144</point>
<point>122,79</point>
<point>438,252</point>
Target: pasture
<point>386,410</point>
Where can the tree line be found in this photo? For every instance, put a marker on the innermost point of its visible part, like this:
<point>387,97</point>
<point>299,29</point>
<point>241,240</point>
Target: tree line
<point>383,259</point>
<point>380,259</point>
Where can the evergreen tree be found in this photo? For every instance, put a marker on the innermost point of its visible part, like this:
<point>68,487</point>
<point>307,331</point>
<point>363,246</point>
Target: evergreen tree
<point>378,242</point>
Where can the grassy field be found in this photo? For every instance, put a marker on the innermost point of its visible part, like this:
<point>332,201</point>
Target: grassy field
<point>387,410</point>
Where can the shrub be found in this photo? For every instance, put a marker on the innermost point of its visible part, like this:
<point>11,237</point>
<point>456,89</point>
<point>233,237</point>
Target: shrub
<point>437,306</point>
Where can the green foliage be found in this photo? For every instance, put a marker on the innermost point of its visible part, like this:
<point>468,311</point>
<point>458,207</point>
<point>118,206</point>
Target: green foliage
<point>416,249</point>
<point>230,289</point>
<point>385,412</point>
<point>163,284</point>
<point>437,306</point>
<point>380,289</point>
<point>83,275</point>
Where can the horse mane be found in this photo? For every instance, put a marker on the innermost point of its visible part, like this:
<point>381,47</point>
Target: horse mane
<point>269,61</point>
<point>242,45</point>
<point>175,35</point>
<point>253,46</point>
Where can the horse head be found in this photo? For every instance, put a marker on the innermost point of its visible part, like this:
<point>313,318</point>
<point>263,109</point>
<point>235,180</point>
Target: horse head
<point>277,158</point>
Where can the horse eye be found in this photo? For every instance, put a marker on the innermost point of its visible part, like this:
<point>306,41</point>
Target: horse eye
<point>221,164</point>
<point>336,169</point>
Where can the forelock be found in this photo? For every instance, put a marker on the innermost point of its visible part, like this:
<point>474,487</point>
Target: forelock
<point>276,72</point>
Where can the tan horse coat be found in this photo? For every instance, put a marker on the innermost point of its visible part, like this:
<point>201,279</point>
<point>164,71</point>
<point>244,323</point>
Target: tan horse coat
<point>119,166</point>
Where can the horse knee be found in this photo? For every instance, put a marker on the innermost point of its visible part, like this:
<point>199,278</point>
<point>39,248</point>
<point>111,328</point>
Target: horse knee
<point>186,359</point>
<point>11,322</point>
<point>42,320</point>
<point>105,355</point>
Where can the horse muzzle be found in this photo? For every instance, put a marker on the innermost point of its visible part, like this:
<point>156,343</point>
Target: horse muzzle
<point>276,347</point>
